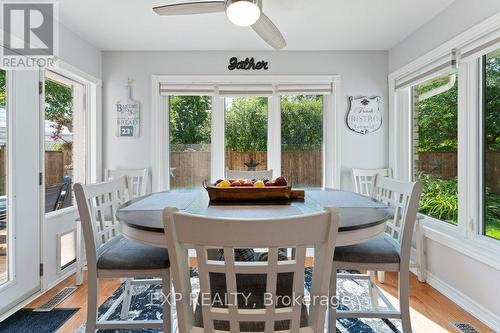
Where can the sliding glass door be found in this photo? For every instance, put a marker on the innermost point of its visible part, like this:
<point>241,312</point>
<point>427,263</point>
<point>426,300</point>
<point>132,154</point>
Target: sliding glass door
<point>246,133</point>
<point>190,138</point>
<point>302,140</point>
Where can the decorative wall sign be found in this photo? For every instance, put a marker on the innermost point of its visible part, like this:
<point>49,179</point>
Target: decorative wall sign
<point>247,64</point>
<point>364,114</point>
<point>128,114</point>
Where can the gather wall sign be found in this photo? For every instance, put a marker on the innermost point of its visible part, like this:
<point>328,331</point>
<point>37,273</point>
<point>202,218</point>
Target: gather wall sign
<point>247,64</point>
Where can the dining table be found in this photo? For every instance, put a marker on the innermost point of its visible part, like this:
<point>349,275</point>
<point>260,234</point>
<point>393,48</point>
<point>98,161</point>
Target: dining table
<point>361,218</point>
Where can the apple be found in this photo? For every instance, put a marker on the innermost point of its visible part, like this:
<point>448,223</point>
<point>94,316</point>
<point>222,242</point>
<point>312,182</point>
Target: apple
<point>218,181</point>
<point>269,183</point>
<point>235,184</point>
<point>247,183</point>
<point>280,181</point>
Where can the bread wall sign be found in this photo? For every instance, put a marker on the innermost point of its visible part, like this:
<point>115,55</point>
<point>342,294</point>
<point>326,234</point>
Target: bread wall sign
<point>364,114</point>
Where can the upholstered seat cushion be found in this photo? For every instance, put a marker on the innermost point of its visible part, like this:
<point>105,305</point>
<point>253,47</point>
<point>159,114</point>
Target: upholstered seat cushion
<point>375,251</point>
<point>129,255</point>
<point>252,287</point>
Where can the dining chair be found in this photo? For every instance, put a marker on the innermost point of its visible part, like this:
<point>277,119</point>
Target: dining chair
<point>261,174</point>
<point>274,278</point>
<point>390,253</point>
<point>137,180</point>
<point>363,179</point>
<point>137,186</point>
<point>110,255</point>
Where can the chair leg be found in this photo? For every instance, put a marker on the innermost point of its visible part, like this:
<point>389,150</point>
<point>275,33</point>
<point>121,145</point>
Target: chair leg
<point>92,297</point>
<point>373,290</point>
<point>332,309</point>
<point>381,277</point>
<point>167,324</point>
<point>420,247</point>
<point>404,301</point>
<point>127,300</point>
<point>79,254</point>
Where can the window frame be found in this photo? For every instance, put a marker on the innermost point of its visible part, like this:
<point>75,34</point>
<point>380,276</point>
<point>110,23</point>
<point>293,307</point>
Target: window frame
<point>467,236</point>
<point>333,120</point>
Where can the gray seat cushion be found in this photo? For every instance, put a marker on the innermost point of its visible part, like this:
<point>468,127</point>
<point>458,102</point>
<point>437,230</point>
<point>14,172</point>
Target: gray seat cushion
<point>130,255</point>
<point>375,251</point>
<point>252,286</point>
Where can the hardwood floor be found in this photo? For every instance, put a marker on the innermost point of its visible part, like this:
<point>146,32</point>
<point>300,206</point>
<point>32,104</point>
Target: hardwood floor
<point>431,311</point>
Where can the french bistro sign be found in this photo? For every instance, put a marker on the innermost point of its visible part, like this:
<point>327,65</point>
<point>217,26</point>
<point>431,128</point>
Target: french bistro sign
<point>364,114</point>
<point>247,64</point>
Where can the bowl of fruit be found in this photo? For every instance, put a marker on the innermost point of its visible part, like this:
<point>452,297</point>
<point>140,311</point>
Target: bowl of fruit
<point>249,190</point>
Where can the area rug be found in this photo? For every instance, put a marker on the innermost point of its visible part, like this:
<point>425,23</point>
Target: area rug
<point>28,321</point>
<point>144,307</point>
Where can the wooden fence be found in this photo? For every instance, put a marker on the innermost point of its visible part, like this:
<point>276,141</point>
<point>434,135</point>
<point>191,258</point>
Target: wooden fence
<point>300,167</point>
<point>444,164</point>
<point>55,162</point>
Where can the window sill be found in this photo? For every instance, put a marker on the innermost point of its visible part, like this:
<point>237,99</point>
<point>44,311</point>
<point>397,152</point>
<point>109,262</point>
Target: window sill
<point>61,212</point>
<point>451,236</point>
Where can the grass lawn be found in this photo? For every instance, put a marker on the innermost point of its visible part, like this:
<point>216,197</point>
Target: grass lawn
<point>493,215</point>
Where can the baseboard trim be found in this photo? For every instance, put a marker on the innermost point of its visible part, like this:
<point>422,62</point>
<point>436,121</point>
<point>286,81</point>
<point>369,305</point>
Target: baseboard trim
<point>465,302</point>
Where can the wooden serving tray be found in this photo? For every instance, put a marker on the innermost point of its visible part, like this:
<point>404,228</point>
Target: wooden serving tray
<point>254,194</point>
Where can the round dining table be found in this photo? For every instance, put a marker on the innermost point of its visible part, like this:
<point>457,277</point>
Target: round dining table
<point>361,218</point>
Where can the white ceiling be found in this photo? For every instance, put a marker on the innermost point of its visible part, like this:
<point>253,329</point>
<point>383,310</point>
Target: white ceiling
<point>305,24</point>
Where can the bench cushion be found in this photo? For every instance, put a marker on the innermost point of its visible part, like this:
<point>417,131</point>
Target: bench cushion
<point>130,255</point>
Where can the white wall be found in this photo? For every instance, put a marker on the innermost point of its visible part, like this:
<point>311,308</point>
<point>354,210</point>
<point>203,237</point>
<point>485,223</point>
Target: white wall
<point>79,53</point>
<point>457,18</point>
<point>362,73</point>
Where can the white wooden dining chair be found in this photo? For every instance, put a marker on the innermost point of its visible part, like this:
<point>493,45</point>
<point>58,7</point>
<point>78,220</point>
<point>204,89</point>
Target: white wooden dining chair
<point>390,252</point>
<point>261,174</point>
<point>110,255</point>
<point>137,186</point>
<point>137,180</point>
<point>363,179</point>
<point>229,277</point>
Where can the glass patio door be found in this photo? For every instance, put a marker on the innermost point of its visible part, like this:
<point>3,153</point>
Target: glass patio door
<point>19,187</point>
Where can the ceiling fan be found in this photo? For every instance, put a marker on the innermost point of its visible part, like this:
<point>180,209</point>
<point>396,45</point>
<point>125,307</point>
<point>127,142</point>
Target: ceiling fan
<point>243,13</point>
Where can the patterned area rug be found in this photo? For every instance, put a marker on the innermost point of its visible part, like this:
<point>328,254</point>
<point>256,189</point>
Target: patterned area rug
<point>144,307</point>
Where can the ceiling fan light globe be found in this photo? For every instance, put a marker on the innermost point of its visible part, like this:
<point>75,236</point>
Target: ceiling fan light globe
<point>243,13</point>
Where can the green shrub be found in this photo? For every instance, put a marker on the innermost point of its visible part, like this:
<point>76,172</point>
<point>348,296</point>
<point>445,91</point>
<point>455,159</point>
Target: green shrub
<point>439,197</point>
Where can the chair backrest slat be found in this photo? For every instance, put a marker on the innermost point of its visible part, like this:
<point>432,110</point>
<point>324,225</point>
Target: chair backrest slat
<point>97,205</point>
<point>403,197</point>
<point>261,174</point>
<point>231,234</point>
<point>137,180</point>
<point>363,179</point>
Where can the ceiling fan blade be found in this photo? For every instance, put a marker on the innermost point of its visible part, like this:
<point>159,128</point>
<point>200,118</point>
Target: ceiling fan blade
<point>266,29</point>
<point>188,8</point>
